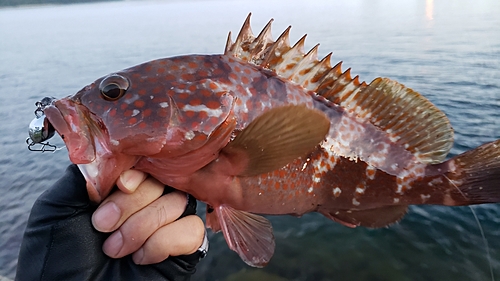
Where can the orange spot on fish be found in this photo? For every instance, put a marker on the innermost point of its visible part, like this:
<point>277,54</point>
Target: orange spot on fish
<point>245,80</point>
<point>202,73</point>
<point>127,113</point>
<point>163,112</point>
<point>160,70</point>
<point>212,86</point>
<point>123,106</point>
<point>195,102</point>
<point>139,103</point>
<point>143,125</point>
<point>192,88</point>
<point>153,80</point>
<point>156,90</point>
<point>249,105</point>
<point>192,64</point>
<point>142,92</point>
<point>213,104</point>
<point>237,69</point>
<point>187,77</point>
<point>190,113</point>
<point>132,121</point>
<point>233,76</point>
<point>155,124</point>
<point>147,112</point>
<point>200,137</point>
<point>170,77</point>
<point>218,72</point>
<point>112,113</point>
<point>202,115</point>
<point>277,185</point>
<point>205,92</point>
<point>183,95</point>
<point>247,71</point>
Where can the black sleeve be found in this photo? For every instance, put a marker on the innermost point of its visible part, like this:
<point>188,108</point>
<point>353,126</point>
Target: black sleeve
<point>60,242</point>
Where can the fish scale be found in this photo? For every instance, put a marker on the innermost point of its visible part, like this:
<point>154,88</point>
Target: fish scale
<point>266,128</point>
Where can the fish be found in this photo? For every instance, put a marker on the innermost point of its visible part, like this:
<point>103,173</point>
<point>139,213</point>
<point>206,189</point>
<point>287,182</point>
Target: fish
<point>266,128</point>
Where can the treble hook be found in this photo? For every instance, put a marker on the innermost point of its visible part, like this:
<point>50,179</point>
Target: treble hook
<point>46,146</point>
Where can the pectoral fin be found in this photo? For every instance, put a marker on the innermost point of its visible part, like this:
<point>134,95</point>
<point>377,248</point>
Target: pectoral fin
<point>373,218</point>
<point>249,235</point>
<point>276,138</point>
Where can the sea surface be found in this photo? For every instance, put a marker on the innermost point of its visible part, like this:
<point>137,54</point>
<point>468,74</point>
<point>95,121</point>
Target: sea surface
<point>447,50</point>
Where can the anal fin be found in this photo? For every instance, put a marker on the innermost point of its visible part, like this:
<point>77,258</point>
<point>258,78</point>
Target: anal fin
<point>274,139</point>
<point>373,218</point>
<point>249,235</point>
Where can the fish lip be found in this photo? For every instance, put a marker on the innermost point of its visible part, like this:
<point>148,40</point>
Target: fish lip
<point>69,120</point>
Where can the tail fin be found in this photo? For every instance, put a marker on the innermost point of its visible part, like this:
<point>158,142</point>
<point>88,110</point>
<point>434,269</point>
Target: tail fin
<point>476,174</point>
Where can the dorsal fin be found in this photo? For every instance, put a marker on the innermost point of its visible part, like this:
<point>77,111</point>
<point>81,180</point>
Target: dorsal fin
<point>409,118</point>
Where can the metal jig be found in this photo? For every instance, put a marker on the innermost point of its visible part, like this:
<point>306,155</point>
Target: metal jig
<point>40,129</point>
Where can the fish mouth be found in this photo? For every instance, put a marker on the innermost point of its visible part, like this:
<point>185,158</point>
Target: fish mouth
<point>69,120</point>
<point>86,140</point>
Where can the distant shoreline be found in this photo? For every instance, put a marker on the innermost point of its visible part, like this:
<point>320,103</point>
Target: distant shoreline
<point>20,3</point>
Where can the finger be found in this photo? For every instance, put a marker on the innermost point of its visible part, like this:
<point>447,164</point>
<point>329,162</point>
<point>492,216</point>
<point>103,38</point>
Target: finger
<point>130,180</point>
<point>141,225</point>
<point>182,237</point>
<point>119,206</point>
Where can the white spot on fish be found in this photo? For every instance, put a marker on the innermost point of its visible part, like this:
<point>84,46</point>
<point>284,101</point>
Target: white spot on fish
<point>310,189</point>
<point>360,190</point>
<point>355,202</point>
<point>435,181</point>
<point>396,200</point>
<point>114,142</point>
<point>135,112</point>
<point>304,166</point>
<point>163,104</point>
<point>316,179</point>
<point>203,108</point>
<point>151,97</point>
<point>337,191</point>
<point>370,172</point>
<point>424,197</point>
<point>189,135</point>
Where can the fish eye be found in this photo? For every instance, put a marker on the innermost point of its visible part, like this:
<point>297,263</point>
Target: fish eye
<point>113,87</point>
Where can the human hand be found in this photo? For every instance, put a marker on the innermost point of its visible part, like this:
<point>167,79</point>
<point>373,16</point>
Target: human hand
<point>60,242</point>
<point>140,219</point>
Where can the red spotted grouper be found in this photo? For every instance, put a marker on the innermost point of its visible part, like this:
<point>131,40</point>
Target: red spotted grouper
<point>266,128</point>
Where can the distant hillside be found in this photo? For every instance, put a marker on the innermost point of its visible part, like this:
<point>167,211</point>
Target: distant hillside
<point>36,2</point>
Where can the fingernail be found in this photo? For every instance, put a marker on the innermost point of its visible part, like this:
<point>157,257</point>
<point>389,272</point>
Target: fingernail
<point>138,256</point>
<point>113,244</point>
<point>106,217</point>
<point>131,179</point>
